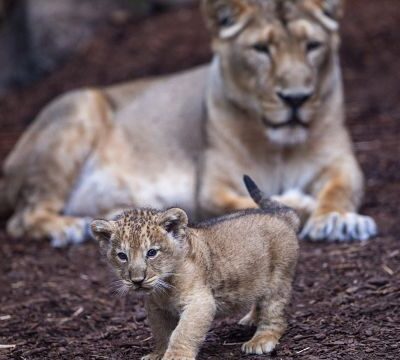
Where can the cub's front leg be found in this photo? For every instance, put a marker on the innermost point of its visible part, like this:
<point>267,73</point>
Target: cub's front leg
<point>162,324</point>
<point>192,327</point>
<point>339,191</point>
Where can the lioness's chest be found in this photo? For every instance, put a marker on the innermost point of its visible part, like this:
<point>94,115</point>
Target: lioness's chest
<point>279,174</point>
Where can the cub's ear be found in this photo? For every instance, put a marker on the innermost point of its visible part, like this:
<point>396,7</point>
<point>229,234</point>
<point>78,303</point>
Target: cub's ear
<point>226,18</point>
<point>174,221</point>
<point>102,230</point>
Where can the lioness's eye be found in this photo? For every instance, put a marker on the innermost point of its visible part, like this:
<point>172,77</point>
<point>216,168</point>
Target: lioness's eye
<point>313,45</point>
<point>122,256</point>
<point>151,253</point>
<point>262,48</point>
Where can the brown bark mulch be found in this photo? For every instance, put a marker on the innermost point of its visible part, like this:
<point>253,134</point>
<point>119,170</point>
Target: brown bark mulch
<point>58,304</point>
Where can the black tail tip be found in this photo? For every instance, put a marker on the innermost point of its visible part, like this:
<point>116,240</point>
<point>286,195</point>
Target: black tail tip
<point>250,184</point>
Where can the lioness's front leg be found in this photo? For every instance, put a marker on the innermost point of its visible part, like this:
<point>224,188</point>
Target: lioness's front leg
<point>338,191</point>
<point>217,196</point>
<point>192,328</point>
<point>225,199</point>
<point>45,165</point>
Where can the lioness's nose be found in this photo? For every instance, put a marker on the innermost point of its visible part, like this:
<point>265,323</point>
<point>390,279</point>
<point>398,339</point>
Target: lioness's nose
<point>295,100</point>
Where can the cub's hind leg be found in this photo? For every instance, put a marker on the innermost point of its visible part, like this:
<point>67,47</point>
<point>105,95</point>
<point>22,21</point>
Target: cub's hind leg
<point>271,311</point>
<point>271,326</point>
<point>252,317</point>
<point>42,169</point>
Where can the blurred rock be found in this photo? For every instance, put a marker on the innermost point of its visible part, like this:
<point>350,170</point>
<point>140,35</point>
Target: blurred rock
<point>14,54</point>
<point>59,27</point>
<point>173,2</point>
<point>5,6</point>
<point>36,35</point>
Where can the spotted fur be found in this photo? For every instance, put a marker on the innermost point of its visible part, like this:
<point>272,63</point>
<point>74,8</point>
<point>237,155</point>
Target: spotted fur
<point>204,270</point>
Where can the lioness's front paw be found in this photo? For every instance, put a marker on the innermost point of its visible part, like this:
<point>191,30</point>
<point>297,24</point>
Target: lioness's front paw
<point>152,356</point>
<point>337,227</point>
<point>75,232</point>
<point>297,200</point>
<point>260,344</point>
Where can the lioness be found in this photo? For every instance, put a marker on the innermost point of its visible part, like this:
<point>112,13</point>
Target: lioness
<point>192,273</point>
<point>271,104</point>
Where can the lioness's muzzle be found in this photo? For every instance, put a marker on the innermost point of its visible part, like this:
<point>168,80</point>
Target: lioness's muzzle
<point>292,122</point>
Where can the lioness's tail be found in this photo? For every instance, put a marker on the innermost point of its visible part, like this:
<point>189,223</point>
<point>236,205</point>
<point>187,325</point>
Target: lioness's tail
<point>271,206</point>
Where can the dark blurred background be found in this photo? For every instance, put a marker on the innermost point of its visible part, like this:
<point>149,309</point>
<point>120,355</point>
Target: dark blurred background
<point>346,296</point>
<point>36,36</point>
<point>50,46</point>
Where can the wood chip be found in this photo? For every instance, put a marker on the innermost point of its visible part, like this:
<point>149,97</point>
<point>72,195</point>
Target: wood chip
<point>147,339</point>
<point>388,270</point>
<point>299,352</point>
<point>78,312</point>
<point>2,346</point>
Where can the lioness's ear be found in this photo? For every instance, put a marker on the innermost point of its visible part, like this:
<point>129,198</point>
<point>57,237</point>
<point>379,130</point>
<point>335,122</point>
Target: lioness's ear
<point>226,18</point>
<point>174,221</point>
<point>102,230</point>
<point>333,8</point>
<point>328,12</point>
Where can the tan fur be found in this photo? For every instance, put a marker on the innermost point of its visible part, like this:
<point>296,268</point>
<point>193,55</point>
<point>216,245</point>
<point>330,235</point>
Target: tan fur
<point>205,270</point>
<point>93,151</point>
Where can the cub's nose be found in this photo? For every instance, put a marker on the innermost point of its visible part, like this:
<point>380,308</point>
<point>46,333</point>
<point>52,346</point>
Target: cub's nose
<point>137,280</point>
<point>294,100</point>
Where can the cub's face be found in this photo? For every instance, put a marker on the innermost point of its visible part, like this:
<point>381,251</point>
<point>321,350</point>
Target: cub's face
<point>143,246</point>
<point>275,56</point>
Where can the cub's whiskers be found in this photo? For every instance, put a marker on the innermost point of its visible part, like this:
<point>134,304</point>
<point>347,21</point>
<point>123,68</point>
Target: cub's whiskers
<point>120,287</point>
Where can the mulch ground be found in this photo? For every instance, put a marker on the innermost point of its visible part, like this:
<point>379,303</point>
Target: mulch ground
<point>58,304</point>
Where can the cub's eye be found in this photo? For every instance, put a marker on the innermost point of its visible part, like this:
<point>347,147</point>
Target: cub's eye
<point>313,45</point>
<point>261,48</point>
<point>151,253</point>
<point>122,256</point>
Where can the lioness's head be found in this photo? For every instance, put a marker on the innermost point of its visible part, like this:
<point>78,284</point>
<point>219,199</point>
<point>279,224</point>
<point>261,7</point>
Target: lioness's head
<point>143,246</point>
<point>277,59</point>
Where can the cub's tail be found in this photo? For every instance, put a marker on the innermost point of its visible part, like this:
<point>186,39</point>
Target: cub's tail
<point>271,206</point>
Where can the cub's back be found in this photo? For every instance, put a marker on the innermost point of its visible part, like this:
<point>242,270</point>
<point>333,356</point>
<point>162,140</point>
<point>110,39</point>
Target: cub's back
<point>246,249</point>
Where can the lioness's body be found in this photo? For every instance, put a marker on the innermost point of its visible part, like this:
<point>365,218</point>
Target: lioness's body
<point>135,140</point>
<point>180,140</point>
<point>145,139</point>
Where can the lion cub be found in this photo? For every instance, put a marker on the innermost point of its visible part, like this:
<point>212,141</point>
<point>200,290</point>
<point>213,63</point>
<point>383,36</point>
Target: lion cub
<point>191,273</point>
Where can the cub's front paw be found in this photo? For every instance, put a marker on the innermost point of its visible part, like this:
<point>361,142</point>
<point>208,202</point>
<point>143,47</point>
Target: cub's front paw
<point>338,227</point>
<point>152,356</point>
<point>260,344</point>
<point>175,355</point>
